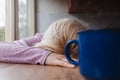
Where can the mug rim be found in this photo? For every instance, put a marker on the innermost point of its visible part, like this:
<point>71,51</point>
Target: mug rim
<point>100,30</point>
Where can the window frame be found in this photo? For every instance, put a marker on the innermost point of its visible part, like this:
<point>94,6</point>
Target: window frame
<point>31,18</point>
<point>12,26</point>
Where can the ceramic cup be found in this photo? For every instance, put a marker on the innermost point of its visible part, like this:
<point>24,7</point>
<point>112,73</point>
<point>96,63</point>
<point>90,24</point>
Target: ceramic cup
<point>98,54</point>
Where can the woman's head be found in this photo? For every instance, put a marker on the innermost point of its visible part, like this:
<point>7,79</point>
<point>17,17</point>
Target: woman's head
<point>58,33</point>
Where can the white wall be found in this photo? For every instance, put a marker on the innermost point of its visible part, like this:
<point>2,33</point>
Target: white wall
<point>49,11</point>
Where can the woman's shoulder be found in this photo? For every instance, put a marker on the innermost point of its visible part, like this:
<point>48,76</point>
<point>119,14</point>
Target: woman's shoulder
<point>39,35</point>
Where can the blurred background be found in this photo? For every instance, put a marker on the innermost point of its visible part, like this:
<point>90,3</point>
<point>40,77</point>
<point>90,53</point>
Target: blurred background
<point>24,18</point>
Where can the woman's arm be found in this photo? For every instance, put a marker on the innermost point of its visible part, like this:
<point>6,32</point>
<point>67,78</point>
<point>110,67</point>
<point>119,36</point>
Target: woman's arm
<point>30,41</point>
<point>15,53</point>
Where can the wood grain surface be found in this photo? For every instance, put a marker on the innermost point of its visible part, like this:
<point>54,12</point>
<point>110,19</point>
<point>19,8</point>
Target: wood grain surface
<point>37,72</point>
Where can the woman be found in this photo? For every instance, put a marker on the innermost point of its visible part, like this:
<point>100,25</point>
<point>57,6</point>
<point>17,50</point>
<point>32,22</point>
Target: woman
<point>46,49</point>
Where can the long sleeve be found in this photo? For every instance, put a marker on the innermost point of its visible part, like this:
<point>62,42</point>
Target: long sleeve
<point>30,41</point>
<point>22,51</point>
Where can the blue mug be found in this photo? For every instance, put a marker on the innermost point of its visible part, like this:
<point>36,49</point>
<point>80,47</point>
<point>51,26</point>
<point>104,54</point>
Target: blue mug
<point>98,54</point>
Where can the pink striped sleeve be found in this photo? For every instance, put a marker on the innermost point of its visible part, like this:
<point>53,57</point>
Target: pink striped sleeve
<point>30,41</point>
<point>23,52</point>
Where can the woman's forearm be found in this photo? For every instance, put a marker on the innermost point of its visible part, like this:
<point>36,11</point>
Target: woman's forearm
<point>13,53</point>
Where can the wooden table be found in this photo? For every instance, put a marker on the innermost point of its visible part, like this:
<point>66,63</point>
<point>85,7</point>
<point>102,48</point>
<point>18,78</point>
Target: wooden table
<point>37,72</point>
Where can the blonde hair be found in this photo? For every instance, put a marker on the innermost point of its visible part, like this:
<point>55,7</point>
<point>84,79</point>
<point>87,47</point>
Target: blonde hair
<point>58,33</point>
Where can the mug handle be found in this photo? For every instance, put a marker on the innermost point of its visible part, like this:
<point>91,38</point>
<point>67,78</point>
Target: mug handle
<point>67,53</point>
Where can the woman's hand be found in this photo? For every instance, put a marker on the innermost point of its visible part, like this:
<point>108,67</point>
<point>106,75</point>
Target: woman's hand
<point>58,60</point>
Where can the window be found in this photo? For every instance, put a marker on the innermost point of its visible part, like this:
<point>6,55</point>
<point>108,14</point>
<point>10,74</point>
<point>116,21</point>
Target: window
<point>2,19</point>
<point>17,19</point>
<point>26,18</point>
<point>23,22</point>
